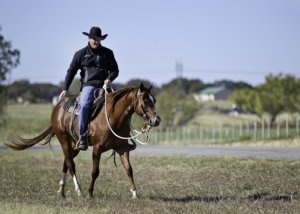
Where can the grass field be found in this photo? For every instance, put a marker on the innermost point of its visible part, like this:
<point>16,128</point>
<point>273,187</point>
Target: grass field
<point>25,120</point>
<point>29,181</point>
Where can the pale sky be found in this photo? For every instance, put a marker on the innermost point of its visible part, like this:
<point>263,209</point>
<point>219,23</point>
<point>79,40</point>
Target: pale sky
<point>239,40</point>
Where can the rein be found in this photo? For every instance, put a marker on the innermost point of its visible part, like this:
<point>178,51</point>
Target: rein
<point>132,130</point>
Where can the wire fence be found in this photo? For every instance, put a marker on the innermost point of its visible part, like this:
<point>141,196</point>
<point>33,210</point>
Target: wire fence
<point>219,134</point>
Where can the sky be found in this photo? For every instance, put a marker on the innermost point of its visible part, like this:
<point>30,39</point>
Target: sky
<point>212,40</point>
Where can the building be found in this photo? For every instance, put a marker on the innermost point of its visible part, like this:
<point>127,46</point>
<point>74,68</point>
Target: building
<point>213,93</point>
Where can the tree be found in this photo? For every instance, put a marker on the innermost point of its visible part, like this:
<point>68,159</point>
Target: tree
<point>245,99</point>
<point>174,106</point>
<point>9,59</point>
<point>278,94</point>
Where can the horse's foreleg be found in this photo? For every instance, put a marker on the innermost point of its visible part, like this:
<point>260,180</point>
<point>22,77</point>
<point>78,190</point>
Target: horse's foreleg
<point>126,163</point>
<point>96,171</point>
<point>77,186</point>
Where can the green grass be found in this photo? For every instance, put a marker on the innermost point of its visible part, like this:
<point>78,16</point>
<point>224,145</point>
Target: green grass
<point>25,120</point>
<point>29,181</point>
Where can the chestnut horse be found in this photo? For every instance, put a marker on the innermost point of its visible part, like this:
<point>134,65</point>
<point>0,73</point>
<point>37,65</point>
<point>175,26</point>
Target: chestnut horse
<point>121,105</point>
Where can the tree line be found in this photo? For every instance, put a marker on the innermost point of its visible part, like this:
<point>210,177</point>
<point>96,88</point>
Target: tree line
<point>280,93</point>
<point>44,92</point>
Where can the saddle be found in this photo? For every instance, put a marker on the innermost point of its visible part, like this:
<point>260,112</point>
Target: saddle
<point>71,106</point>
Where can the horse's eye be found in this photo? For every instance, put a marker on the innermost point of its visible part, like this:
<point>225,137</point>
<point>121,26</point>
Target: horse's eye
<point>147,101</point>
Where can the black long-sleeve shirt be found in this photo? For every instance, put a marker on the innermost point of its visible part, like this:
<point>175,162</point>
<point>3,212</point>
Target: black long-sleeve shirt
<point>96,65</point>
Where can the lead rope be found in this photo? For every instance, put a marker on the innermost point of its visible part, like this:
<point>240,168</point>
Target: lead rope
<point>147,133</point>
<point>124,138</point>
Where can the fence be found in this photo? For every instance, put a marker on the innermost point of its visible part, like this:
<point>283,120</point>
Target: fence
<point>286,127</point>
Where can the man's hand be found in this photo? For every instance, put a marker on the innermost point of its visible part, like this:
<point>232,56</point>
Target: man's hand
<point>62,94</point>
<point>107,83</point>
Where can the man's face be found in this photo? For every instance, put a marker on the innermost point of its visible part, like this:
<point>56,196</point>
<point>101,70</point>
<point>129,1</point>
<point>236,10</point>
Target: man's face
<point>94,42</point>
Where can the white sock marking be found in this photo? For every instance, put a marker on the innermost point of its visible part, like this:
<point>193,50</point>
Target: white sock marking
<point>76,183</point>
<point>134,194</point>
<point>62,180</point>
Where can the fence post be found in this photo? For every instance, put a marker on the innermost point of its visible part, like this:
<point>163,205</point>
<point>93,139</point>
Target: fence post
<point>226,134</point>
<point>248,128</point>
<point>177,134</point>
<point>233,133</point>
<point>199,136</point>
<point>262,128</point>
<point>220,134</point>
<point>241,130</point>
<point>205,131</point>
<point>213,135</point>
<point>286,125</point>
<point>186,135</point>
<point>278,129</point>
<point>254,131</point>
<point>156,137</point>
<point>269,129</point>
<point>171,135</point>
<point>183,134</point>
<point>297,124</point>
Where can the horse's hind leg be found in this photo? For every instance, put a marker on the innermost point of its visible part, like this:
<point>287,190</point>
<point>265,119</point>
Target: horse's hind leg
<point>126,163</point>
<point>68,152</point>
<point>62,182</point>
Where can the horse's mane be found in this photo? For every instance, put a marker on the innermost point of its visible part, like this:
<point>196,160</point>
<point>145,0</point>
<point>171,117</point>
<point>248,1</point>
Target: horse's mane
<point>116,96</point>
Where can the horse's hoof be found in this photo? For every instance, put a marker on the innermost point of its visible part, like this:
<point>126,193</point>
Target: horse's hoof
<point>135,197</point>
<point>61,195</point>
<point>134,194</point>
<point>90,196</point>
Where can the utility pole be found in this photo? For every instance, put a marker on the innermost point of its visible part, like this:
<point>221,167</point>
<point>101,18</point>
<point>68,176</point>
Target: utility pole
<point>179,69</point>
<point>179,73</point>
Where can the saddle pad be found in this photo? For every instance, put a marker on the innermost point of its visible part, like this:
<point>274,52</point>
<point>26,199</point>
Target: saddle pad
<point>72,103</point>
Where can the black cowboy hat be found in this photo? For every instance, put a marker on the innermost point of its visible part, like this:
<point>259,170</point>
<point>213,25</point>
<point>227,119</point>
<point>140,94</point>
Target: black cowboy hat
<point>95,32</point>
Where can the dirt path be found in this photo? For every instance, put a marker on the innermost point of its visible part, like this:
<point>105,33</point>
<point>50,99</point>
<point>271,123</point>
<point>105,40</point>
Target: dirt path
<point>220,151</point>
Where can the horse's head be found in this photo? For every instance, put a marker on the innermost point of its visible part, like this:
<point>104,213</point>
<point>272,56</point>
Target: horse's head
<point>145,107</point>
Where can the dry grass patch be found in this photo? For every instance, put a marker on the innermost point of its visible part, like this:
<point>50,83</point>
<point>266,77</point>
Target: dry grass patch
<point>29,181</point>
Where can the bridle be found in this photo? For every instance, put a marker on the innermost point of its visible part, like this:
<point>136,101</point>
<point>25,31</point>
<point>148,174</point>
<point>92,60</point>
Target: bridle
<point>151,120</point>
<point>133,131</point>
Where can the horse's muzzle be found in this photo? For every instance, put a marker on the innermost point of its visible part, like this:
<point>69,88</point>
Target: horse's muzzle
<point>154,121</point>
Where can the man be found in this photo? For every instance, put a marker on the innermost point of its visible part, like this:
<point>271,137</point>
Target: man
<point>98,67</point>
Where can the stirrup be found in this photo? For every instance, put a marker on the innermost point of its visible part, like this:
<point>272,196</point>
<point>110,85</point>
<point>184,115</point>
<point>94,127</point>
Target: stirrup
<point>82,147</point>
<point>78,142</point>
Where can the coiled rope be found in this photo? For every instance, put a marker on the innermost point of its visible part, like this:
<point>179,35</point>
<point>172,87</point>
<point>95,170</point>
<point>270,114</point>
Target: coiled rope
<point>132,130</point>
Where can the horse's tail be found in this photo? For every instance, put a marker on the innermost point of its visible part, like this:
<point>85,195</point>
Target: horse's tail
<point>21,143</point>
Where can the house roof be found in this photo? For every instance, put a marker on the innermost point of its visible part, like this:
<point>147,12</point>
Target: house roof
<point>212,90</point>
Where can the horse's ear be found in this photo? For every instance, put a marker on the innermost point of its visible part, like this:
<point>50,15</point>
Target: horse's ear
<point>150,87</point>
<point>142,88</point>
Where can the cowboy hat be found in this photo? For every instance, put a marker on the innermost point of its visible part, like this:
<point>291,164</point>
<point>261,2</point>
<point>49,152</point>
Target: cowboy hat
<point>95,32</point>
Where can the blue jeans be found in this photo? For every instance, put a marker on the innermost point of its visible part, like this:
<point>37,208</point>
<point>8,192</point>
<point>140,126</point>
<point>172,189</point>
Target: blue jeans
<point>84,111</point>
